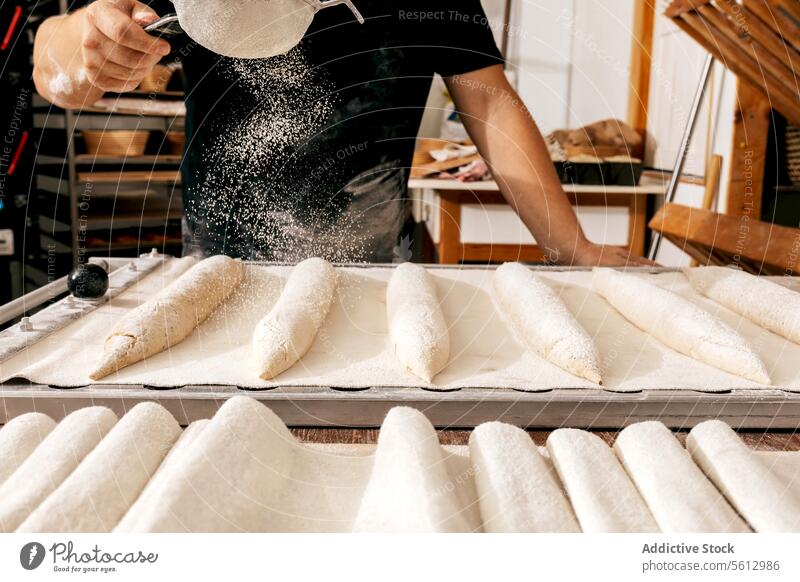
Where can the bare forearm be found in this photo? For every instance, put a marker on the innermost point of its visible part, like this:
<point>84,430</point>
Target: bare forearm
<point>512,145</point>
<point>58,73</point>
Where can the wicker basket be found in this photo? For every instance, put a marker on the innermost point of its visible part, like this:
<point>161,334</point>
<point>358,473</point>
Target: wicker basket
<point>156,80</point>
<point>116,143</point>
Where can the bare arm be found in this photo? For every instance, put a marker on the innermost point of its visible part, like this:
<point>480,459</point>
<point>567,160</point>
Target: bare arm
<point>79,56</point>
<point>512,145</point>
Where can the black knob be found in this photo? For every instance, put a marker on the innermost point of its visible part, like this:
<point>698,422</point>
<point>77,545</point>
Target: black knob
<point>88,281</point>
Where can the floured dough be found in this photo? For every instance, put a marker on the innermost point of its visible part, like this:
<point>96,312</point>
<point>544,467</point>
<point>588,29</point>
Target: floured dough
<point>410,489</point>
<point>100,490</point>
<point>748,481</point>
<point>19,438</point>
<point>543,323</point>
<point>61,451</point>
<point>286,333</point>
<point>170,316</point>
<point>602,495</point>
<point>517,489</point>
<point>679,495</point>
<point>768,304</point>
<point>417,329</point>
<point>247,29</point>
<point>679,324</point>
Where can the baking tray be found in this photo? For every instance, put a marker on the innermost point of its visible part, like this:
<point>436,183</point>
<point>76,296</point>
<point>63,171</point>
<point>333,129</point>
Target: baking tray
<point>465,408</point>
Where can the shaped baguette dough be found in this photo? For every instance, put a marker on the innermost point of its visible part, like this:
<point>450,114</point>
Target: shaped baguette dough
<point>517,489</point>
<point>604,498</point>
<point>679,324</point>
<point>19,438</point>
<point>170,316</point>
<point>767,502</point>
<point>98,492</point>
<point>59,453</point>
<point>768,304</point>
<point>286,333</point>
<point>543,323</point>
<point>417,329</point>
<point>678,494</point>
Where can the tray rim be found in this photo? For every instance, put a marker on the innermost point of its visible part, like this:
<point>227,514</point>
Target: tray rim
<point>761,409</point>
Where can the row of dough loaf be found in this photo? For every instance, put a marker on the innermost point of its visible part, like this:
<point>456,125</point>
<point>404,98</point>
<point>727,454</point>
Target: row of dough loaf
<point>418,331</point>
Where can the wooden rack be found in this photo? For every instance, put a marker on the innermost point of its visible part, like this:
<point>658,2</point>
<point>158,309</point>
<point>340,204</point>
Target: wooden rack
<point>759,40</point>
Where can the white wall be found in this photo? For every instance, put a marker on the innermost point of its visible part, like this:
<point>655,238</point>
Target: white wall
<point>572,58</point>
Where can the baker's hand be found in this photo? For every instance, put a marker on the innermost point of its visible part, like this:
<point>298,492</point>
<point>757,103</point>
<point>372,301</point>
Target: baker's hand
<point>592,255</point>
<point>117,52</point>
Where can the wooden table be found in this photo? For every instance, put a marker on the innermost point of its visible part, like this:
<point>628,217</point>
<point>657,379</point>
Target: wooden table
<point>453,194</point>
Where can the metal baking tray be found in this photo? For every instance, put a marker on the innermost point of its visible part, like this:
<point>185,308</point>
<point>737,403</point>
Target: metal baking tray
<point>465,408</point>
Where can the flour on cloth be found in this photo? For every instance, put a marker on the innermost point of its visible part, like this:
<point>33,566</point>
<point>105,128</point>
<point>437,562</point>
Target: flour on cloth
<point>95,496</point>
<point>352,348</point>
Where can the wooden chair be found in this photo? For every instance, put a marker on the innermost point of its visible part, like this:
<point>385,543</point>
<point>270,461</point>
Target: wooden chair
<point>718,239</point>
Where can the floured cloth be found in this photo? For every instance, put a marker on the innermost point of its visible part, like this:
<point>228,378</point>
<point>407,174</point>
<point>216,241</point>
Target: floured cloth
<point>352,349</point>
<point>243,471</point>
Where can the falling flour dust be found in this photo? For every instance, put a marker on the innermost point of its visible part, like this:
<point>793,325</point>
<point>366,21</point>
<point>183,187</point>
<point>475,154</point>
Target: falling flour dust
<point>261,188</point>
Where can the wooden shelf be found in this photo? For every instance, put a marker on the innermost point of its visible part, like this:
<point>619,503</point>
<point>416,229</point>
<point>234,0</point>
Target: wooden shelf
<point>121,220</point>
<point>100,160</point>
<point>127,177</point>
<point>145,159</point>
<point>646,187</point>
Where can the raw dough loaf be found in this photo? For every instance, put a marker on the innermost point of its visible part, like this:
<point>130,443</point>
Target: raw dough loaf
<point>286,333</point>
<point>170,316</point>
<point>417,329</point>
<point>61,451</point>
<point>679,324</point>
<point>410,489</point>
<point>19,438</point>
<point>602,495</point>
<point>247,29</point>
<point>516,487</point>
<point>768,304</point>
<point>95,496</point>
<point>543,323</point>
<point>766,501</point>
<point>678,494</point>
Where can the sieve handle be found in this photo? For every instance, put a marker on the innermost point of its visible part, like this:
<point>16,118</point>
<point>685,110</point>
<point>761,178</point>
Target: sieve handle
<point>320,4</point>
<point>165,27</point>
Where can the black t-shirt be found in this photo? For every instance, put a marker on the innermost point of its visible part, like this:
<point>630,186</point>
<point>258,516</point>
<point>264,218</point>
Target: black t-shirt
<point>307,153</point>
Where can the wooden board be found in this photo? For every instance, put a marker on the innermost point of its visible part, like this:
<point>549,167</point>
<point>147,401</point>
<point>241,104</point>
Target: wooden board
<point>718,239</point>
